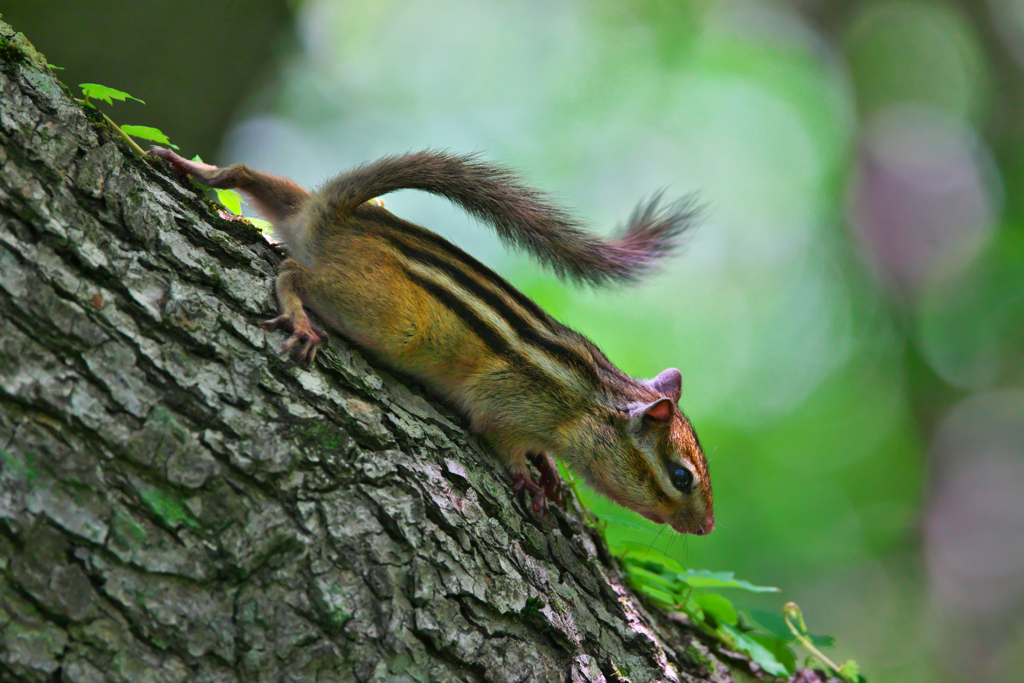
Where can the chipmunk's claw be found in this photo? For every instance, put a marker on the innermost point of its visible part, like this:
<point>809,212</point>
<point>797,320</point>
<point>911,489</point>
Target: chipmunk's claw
<point>550,479</point>
<point>305,332</point>
<point>522,481</point>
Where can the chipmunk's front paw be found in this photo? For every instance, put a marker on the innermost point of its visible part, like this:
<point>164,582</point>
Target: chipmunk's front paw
<point>523,481</point>
<point>305,337</point>
<point>550,479</point>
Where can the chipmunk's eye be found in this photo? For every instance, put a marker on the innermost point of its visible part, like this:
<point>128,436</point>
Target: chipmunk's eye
<point>682,479</point>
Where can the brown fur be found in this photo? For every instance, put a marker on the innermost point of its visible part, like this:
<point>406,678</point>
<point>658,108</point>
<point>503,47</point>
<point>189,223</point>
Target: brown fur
<point>530,385</point>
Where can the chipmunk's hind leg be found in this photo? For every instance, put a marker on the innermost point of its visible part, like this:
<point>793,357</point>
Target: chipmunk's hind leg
<point>305,336</point>
<point>274,197</point>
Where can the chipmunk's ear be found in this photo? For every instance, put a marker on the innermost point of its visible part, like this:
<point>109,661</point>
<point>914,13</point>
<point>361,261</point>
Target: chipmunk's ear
<point>668,383</point>
<point>660,410</point>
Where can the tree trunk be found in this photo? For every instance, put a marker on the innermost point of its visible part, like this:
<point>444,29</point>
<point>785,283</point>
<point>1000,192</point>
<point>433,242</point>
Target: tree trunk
<point>177,503</point>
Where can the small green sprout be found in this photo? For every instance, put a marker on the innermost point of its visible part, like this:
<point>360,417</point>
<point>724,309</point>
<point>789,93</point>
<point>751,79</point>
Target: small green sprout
<point>849,671</point>
<point>107,94</point>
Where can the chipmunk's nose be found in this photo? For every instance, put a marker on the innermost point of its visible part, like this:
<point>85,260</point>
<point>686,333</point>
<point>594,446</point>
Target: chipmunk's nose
<point>692,526</point>
<point>706,527</point>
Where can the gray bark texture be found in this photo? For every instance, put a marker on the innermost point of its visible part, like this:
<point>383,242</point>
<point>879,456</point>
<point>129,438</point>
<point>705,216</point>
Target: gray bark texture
<point>178,503</point>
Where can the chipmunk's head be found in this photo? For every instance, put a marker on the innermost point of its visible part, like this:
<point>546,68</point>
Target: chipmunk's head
<point>656,466</point>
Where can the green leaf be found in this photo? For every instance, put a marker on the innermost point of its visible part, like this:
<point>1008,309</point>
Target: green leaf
<point>822,641</point>
<point>148,133</point>
<point>642,577</point>
<point>850,670</point>
<point>777,647</point>
<point>771,623</point>
<point>755,650</point>
<point>231,200</point>
<point>694,610</point>
<point>659,595</point>
<point>639,552</point>
<point>102,92</point>
<point>776,625</point>
<point>707,579</point>
<point>55,67</point>
<point>718,608</point>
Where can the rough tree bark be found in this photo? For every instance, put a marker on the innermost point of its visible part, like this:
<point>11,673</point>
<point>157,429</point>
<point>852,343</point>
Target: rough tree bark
<point>178,504</point>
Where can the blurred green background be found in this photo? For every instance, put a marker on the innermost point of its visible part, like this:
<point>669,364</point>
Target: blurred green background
<point>849,319</point>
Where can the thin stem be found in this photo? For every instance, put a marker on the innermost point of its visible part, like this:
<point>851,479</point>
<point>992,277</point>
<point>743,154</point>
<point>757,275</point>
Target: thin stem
<point>791,609</point>
<point>587,515</point>
<point>127,138</point>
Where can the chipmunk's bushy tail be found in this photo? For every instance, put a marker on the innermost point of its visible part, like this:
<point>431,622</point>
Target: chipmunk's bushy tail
<point>523,218</point>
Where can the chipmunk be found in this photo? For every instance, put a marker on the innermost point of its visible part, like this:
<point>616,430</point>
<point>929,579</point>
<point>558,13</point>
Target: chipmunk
<point>530,385</point>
